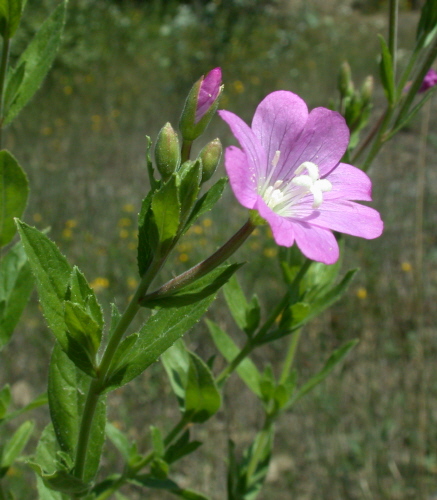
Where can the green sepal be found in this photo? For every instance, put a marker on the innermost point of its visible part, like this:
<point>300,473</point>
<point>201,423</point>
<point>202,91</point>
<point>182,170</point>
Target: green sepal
<point>13,447</point>
<point>37,59</point>
<point>334,359</point>
<point>67,389</point>
<point>16,285</point>
<point>159,333</point>
<point>149,481</point>
<point>246,370</point>
<point>10,16</point>
<point>386,71</point>
<point>180,448</point>
<point>196,291</point>
<point>14,190</point>
<point>206,202</point>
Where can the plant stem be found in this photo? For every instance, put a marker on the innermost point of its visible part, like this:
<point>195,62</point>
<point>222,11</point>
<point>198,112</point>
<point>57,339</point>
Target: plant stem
<point>264,436</point>
<point>289,357</point>
<point>247,349</point>
<point>97,385</point>
<point>186,150</point>
<point>3,71</point>
<point>204,267</point>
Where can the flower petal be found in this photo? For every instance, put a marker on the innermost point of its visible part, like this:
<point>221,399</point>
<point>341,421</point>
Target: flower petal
<point>316,243</point>
<point>242,182</point>
<point>208,92</point>
<point>278,121</point>
<point>250,144</point>
<point>323,141</point>
<point>350,218</point>
<point>349,183</point>
<point>282,228</point>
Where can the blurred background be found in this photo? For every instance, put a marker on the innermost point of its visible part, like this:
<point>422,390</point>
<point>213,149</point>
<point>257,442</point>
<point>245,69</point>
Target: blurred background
<point>124,69</point>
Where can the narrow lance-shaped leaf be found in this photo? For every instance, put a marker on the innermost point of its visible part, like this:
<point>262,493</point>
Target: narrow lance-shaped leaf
<point>37,57</point>
<point>14,190</point>
<point>15,445</point>
<point>386,70</point>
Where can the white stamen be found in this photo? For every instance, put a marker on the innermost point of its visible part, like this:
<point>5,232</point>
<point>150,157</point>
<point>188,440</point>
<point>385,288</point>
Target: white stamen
<point>276,159</point>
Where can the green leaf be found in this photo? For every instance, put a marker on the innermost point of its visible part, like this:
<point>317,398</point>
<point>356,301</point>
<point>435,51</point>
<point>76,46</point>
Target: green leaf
<point>10,15</point>
<point>83,294</point>
<point>147,235</point>
<point>45,493</point>
<point>427,22</point>
<point>166,484</point>
<point>16,284</point>
<point>176,361</point>
<point>67,390</point>
<point>189,177</point>
<point>155,337</point>
<point>182,447</point>
<point>5,400</point>
<point>14,190</point>
<point>15,445</point>
<point>386,71</point>
<point>334,359</point>
<point>83,335</point>
<point>206,202</point>
<point>52,273</point>
<point>13,84</point>
<point>157,441</point>
<point>236,301</point>
<point>37,58</point>
<point>246,370</point>
<point>166,210</point>
<point>202,398</point>
<point>127,449</point>
<point>198,290</point>
<point>40,400</point>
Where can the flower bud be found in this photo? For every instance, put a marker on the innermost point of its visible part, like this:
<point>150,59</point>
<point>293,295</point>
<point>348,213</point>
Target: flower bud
<point>367,90</point>
<point>201,104</point>
<point>167,151</point>
<point>210,155</point>
<point>345,84</point>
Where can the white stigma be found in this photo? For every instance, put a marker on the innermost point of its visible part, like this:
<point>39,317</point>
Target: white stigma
<point>282,196</point>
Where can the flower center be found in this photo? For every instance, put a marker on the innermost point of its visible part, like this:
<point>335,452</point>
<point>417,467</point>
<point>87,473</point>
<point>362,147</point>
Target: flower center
<point>283,195</point>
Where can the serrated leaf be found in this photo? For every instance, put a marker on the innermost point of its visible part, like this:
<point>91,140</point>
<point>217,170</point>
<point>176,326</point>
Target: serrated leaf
<point>52,273</point>
<point>246,370</point>
<point>157,335</point>
<point>176,361</point>
<point>13,447</point>
<point>16,284</point>
<point>166,209</point>
<point>83,294</point>
<point>10,15</point>
<point>202,398</point>
<point>334,359</point>
<point>37,58</point>
<point>67,390</point>
<point>386,71</point>
<point>14,190</point>
<point>198,290</point>
<point>206,202</point>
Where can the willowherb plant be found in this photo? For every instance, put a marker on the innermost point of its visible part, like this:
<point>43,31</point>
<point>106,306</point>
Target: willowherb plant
<point>291,172</point>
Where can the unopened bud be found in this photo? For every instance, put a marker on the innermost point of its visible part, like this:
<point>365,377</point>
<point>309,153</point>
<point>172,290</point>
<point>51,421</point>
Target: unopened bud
<point>367,90</point>
<point>167,151</point>
<point>345,84</point>
<point>210,155</point>
<point>201,104</point>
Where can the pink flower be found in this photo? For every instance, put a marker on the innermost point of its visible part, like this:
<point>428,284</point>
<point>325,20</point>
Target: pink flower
<point>429,81</point>
<point>208,92</point>
<point>289,170</point>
